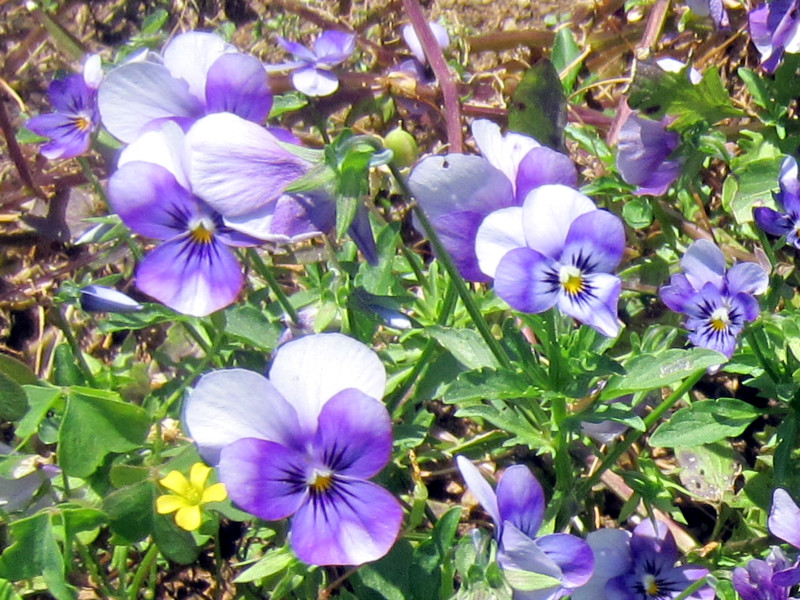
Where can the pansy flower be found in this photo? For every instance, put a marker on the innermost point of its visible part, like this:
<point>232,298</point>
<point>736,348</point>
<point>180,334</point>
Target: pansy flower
<point>194,271</point>
<point>418,66</point>
<point>517,510</point>
<point>198,74</point>
<point>312,69</point>
<point>304,442</point>
<point>717,301</point>
<point>643,155</point>
<point>775,30</point>
<point>640,566</point>
<point>557,249</point>
<point>784,523</point>
<point>99,298</point>
<point>76,118</point>
<point>787,222</point>
<point>754,581</point>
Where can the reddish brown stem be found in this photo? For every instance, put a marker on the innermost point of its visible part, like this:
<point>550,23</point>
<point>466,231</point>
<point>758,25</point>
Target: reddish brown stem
<point>15,152</point>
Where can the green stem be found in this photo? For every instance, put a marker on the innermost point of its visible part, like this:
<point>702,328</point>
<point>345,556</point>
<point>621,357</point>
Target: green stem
<point>621,447</point>
<point>693,588</point>
<point>141,572</point>
<point>93,180</point>
<point>120,562</point>
<point>273,284</point>
<point>444,257</point>
<point>754,336</point>
<point>61,323</point>
<point>95,571</point>
<point>191,329</point>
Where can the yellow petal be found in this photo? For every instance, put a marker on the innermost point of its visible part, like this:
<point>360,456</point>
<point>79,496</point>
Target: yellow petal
<point>175,481</point>
<point>215,493</point>
<point>170,503</point>
<point>188,518</point>
<point>198,475</point>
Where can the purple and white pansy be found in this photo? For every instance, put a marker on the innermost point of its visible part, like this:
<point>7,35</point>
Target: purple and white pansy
<point>76,117</point>
<point>754,581</point>
<point>304,442</point>
<point>784,523</point>
<point>643,158</point>
<point>517,510</point>
<point>198,74</point>
<point>787,222</point>
<point>775,31</point>
<point>557,249</point>
<point>718,301</point>
<point>417,67</point>
<point>640,566</point>
<point>312,69</point>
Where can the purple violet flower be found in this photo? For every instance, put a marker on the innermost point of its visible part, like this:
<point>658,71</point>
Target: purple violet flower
<point>557,249</point>
<point>713,8</point>
<point>784,523</point>
<point>312,71</point>
<point>417,67</point>
<point>98,298</point>
<point>775,30</point>
<point>643,152</point>
<point>754,582</point>
<point>194,270</point>
<point>457,191</point>
<point>718,301</point>
<point>640,566</point>
<point>788,222</point>
<point>305,442</point>
<point>71,127</point>
<point>199,74</point>
<point>517,510</point>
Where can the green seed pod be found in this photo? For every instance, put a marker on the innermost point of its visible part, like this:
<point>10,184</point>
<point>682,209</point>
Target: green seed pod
<point>403,145</point>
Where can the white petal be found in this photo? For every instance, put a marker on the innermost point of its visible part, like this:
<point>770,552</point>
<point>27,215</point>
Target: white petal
<point>548,213</point>
<point>190,55</point>
<point>481,489</point>
<point>164,146</point>
<point>704,263</point>
<point>232,404</point>
<point>503,151</point>
<point>312,369</point>
<point>499,233</point>
<point>93,71</point>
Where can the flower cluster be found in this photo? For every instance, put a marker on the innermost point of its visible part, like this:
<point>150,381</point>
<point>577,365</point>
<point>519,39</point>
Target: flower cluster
<point>303,443</point>
<point>717,301</point>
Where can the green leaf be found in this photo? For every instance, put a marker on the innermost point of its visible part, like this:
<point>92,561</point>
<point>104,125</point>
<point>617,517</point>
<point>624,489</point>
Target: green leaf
<point>13,401</point>
<point>65,369</point>
<point>708,471</point>
<point>40,401</point>
<point>565,52</point>
<point>154,21</point>
<point>756,87</point>
<point>434,550</point>
<point>649,372</point>
<point>130,511</point>
<point>317,177</point>
<point>273,562</point>
<point>33,553</point>
<point>508,419</point>
<point>638,213</point>
<point>656,92</point>
<point>483,384</point>
<point>7,591</point>
<point>466,345</point>
<point>287,103</point>
<point>96,424</point>
<point>249,325</point>
<point>176,544</point>
<point>705,422</point>
<point>539,106</point>
<point>528,581</point>
<point>17,370</point>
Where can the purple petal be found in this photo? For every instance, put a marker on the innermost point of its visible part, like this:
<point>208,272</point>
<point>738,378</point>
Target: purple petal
<point>93,71</point>
<point>355,522</point>
<point>150,201</point>
<point>136,93</point>
<point>548,214</point>
<point>334,47</point>
<point>298,50</point>
<point>790,185</point>
<point>313,81</point>
<point>769,220</point>
<point>598,308</point>
<point>612,554</point>
<point>190,56</point>
<point>677,293</point>
<point>643,146</point>
<point>524,279</point>
<point>542,166</point>
<point>192,278</point>
<point>355,434</point>
<point>760,33</point>
<point>654,544</point>
<point>165,146</point>
<point>755,582</point>
<point>481,489</point>
<point>746,277</point>
<point>97,298</point>
<point>266,479</point>
<point>309,371</point>
<point>457,233</point>
<point>291,218</point>
<point>520,553</point>
<point>573,556</point>
<point>746,305</point>
<point>67,139</point>
<point>788,578</point>
<point>704,263</point>
<point>498,234</point>
<point>784,518</point>
<point>237,83</point>
<point>237,166</point>
<point>233,404</point>
<point>71,95</point>
<point>659,181</point>
<point>595,242</point>
<point>520,500</point>
<point>360,232</point>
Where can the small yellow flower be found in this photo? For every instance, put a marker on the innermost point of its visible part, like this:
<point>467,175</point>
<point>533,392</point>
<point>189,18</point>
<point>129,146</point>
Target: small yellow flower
<point>189,496</point>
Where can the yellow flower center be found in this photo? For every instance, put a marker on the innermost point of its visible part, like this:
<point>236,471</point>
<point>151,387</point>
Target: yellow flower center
<point>720,320</point>
<point>83,123</point>
<point>193,495</point>
<point>650,585</point>
<point>321,480</point>
<point>571,280</point>
<point>202,231</point>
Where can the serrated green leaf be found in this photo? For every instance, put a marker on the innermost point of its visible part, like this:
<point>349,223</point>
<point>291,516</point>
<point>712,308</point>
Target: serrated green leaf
<point>487,384</point>
<point>507,419</point>
<point>97,424</point>
<point>539,106</point>
<point>705,422</point>
<point>248,324</point>
<point>756,87</point>
<point>649,372</point>
<point>466,345</point>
